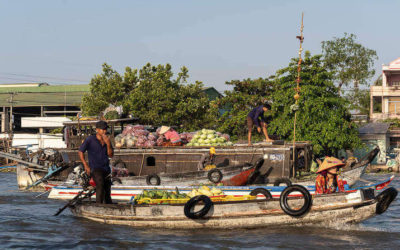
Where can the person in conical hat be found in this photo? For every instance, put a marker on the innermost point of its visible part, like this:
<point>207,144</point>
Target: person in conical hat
<point>328,180</point>
<point>171,137</point>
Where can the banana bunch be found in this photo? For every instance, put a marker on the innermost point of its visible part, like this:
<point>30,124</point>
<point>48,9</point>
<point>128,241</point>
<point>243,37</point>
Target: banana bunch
<point>204,190</point>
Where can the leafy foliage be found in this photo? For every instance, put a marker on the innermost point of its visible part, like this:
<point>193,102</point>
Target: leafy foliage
<point>152,95</point>
<point>246,95</point>
<point>350,61</point>
<point>108,88</point>
<point>158,99</point>
<point>359,99</point>
<point>322,117</point>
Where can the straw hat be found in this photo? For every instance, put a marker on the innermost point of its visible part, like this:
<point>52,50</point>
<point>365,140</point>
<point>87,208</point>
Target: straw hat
<point>164,129</point>
<point>330,162</point>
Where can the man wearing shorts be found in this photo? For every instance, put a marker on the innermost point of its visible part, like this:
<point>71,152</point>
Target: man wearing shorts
<point>256,117</point>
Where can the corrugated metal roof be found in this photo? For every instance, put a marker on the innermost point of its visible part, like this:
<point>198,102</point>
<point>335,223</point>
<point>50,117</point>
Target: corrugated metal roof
<point>42,99</point>
<point>47,89</point>
<point>374,128</point>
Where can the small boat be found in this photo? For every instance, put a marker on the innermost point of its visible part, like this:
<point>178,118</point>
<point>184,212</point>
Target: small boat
<point>351,176</point>
<point>352,172</point>
<point>127,192</point>
<point>214,175</point>
<point>301,209</point>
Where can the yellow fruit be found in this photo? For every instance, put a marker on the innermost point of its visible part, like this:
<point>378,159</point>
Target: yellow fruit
<point>205,188</point>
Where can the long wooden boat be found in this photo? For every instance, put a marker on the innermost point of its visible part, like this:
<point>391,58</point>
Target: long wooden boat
<point>125,193</point>
<point>322,210</point>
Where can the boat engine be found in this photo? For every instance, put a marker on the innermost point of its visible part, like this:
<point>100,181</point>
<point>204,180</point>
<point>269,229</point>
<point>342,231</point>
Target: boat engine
<point>46,157</point>
<point>79,177</point>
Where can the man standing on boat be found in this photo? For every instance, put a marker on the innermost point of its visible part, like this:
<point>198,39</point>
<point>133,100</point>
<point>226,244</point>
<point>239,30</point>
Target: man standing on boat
<point>99,149</point>
<point>256,117</point>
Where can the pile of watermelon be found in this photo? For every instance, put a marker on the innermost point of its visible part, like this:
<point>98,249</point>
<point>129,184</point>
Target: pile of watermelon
<point>209,137</point>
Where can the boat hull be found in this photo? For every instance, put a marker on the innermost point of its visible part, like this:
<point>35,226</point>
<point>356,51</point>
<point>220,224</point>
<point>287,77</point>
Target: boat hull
<point>127,192</point>
<point>326,210</point>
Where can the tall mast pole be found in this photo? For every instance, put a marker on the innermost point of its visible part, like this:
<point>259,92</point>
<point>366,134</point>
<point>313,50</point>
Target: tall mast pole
<point>297,90</point>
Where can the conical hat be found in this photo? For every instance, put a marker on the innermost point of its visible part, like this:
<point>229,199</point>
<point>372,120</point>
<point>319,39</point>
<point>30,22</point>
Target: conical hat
<point>164,129</point>
<point>330,162</point>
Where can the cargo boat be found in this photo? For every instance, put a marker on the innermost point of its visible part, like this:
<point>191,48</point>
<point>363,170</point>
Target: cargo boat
<point>302,209</point>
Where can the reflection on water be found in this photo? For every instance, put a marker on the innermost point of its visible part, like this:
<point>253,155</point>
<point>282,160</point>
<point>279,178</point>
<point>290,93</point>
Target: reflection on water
<point>28,221</point>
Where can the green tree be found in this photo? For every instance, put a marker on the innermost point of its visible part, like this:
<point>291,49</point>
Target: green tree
<point>359,99</point>
<point>322,117</point>
<point>350,61</point>
<point>246,94</point>
<point>108,88</point>
<point>159,99</point>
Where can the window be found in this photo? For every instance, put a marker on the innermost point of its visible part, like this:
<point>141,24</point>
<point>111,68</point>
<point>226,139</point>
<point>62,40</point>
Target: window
<point>150,161</point>
<point>394,105</point>
<point>397,83</point>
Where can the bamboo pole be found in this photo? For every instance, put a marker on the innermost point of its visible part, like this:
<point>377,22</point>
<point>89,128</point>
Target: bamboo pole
<point>297,89</point>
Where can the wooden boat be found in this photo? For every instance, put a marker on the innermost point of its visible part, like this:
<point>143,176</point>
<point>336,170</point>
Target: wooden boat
<point>351,176</point>
<point>127,192</point>
<point>169,160</point>
<point>214,175</point>
<point>351,173</point>
<point>303,209</point>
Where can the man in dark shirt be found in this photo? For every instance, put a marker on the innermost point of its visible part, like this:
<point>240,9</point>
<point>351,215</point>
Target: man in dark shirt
<point>99,150</point>
<point>256,117</point>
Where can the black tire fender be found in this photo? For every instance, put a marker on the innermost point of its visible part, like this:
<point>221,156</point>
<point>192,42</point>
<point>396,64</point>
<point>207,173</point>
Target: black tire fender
<point>189,206</point>
<point>262,191</point>
<point>384,199</point>
<point>212,172</point>
<point>283,201</point>
<point>153,176</point>
<point>116,180</point>
<point>286,181</point>
<point>119,164</point>
<point>258,164</point>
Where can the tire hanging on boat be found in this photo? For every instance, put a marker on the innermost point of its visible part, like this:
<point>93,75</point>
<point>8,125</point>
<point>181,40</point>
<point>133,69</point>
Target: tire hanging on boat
<point>149,178</point>
<point>284,201</point>
<point>384,199</point>
<point>255,175</point>
<point>279,181</point>
<point>116,180</point>
<point>217,178</point>
<point>189,206</point>
<point>119,164</point>
<point>262,191</point>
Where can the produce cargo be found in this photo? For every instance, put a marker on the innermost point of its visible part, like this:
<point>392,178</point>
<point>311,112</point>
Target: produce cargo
<point>208,137</point>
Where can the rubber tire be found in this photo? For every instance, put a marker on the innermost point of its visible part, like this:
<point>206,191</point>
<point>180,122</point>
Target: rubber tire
<point>263,191</point>
<point>208,204</point>
<point>120,162</point>
<point>390,169</point>
<point>253,177</point>
<point>258,164</point>
<point>211,172</point>
<point>384,199</point>
<point>283,201</point>
<point>115,180</point>
<point>282,180</point>
<point>149,177</point>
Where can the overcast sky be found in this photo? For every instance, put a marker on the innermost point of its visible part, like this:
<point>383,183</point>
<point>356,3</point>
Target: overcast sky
<point>66,41</point>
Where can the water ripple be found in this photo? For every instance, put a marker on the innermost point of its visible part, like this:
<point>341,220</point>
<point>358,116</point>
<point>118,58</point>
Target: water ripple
<point>28,222</point>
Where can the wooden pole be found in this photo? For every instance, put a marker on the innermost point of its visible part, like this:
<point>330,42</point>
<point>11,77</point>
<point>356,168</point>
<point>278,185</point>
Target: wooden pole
<point>297,89</point>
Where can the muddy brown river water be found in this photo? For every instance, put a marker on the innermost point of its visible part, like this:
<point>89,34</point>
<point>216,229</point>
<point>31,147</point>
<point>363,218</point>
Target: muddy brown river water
<point>28,222</point>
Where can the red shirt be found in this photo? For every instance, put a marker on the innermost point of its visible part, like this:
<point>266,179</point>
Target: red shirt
<point>322,188</point>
